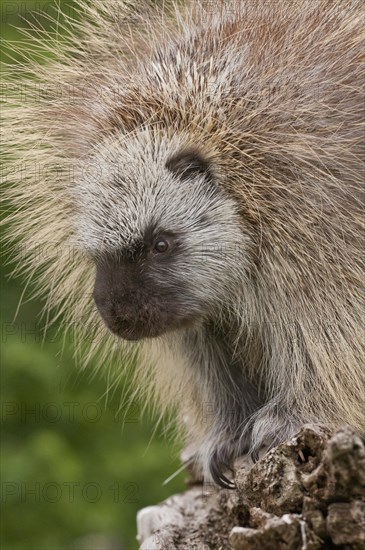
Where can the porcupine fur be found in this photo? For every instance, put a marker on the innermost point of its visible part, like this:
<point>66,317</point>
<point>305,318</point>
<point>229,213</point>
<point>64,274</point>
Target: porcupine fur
<point>235,131</point>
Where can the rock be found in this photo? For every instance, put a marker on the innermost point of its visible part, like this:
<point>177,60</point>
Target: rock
<point>286,533</point>
<point>314,517</point>
<point>346,523</point>
<point>341,473</point>
<point>258,517</point>
<point>306,494</point>
<point>243,538</point>
<point>274,482</point>
<point>157,518</point>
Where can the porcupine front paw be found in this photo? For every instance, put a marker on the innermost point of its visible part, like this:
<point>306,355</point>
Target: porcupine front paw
<point>223,459</point>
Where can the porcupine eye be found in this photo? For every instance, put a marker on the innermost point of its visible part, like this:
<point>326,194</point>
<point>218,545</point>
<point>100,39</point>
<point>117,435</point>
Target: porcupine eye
<point>161,246</point>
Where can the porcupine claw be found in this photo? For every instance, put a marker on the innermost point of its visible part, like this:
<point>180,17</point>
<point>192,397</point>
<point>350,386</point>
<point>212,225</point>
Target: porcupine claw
<point>215,467</point>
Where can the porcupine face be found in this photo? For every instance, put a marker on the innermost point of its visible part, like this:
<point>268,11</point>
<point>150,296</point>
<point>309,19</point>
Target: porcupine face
<point>163,236</point>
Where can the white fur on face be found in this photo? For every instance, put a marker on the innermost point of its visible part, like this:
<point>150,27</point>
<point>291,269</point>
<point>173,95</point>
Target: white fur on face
<point>126,188</point>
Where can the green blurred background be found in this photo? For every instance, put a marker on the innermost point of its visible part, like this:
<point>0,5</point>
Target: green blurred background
<point>73,473</point>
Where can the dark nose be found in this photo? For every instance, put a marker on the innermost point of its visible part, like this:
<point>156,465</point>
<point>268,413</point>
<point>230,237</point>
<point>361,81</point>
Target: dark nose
<point>115,295</point>
<point>119,320</point>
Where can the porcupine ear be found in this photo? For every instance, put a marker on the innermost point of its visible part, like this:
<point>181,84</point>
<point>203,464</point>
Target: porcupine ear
<point>188,163</point>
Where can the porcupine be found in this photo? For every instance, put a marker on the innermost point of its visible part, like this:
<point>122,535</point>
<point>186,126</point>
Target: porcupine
<point>215,206</point>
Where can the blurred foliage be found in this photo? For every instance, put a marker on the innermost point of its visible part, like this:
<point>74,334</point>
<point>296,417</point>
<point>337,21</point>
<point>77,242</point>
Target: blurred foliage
<point>71,468</point>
